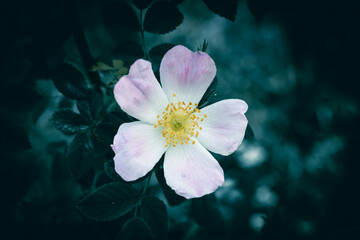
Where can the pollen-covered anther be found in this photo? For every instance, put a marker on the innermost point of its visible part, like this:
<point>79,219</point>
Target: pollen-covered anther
<point>181,121</point>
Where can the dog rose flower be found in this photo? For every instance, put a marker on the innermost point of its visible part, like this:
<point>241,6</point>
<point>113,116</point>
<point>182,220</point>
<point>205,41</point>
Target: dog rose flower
<point>170,122</point>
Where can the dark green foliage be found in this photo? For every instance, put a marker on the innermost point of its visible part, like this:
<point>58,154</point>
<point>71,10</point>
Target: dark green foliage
<point>102,179</point>
<point>80,155</point>
<point>103,138</point>
<point>158,52</point>
<point>206,213</point>
<point>162,17</point>
<point>154,212</point>
<point>110,171</point>
<point>45,49</point>
<point>210,94</point>
<point>136,229</point>
<point>69,122</point>
<point>118,116</point>
<point>108,77</point>
<point>171,196</point>
<point>249,133</point>
<point>120,16</point>
<point>91,106</point>
<point>224,8</point>
<point>70,82</point>
<point>128,51</point>
<point>142,4</point>
<point>109,202</point>
<point>297,69</point>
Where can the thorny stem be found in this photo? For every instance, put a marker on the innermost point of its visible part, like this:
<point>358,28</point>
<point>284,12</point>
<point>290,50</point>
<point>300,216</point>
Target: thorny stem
<point>142,35</point>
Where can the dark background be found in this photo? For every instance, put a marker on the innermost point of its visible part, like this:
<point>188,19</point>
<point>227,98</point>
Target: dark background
<point>294,62</point>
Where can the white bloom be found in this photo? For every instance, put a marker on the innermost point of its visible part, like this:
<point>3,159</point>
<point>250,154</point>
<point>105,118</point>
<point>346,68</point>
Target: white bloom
<point>170,123</point>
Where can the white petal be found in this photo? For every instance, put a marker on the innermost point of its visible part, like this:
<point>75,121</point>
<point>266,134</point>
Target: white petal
<point>192,171</point>
<point>225,125</point>
<point>187,74</point>
<point>138,146</point>
<point>139,93</point>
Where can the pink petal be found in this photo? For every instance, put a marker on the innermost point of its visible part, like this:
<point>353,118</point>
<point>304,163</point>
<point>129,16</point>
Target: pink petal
<point>139,94</point>
<point>192,171</point>
<point>225,125</point>
<point>138,147</point>
<point>187,74</point>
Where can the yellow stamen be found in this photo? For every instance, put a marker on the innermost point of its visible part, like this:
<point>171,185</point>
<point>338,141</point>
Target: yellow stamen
<point>180,122</point>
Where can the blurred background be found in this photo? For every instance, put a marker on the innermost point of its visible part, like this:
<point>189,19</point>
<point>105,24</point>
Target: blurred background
<point>296,64</point>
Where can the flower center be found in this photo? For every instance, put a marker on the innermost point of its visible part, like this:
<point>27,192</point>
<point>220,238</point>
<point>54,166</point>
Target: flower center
<point>180,122</point>
<point>177,123</point>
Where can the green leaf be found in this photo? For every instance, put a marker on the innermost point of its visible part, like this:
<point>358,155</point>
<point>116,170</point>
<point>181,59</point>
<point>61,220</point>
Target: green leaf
<point>142,4</point>
<point>119,15</point>
<point>224,8</point>
<point>110,171</point>
<point>70,82</point>
<point>118,116</point>
<point>103,137</point>
<point>162,17</point>
<point>136,229</point>
<point>128,51</point>
<point>154,212</point>
<point>102,179</point>
<point>69,122</point>
<point>210,94</point>
<point>109,202</point>
<point>170,195</point>
<point>80,155</point>
<point>157,53</point>
<point>91,106</point>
